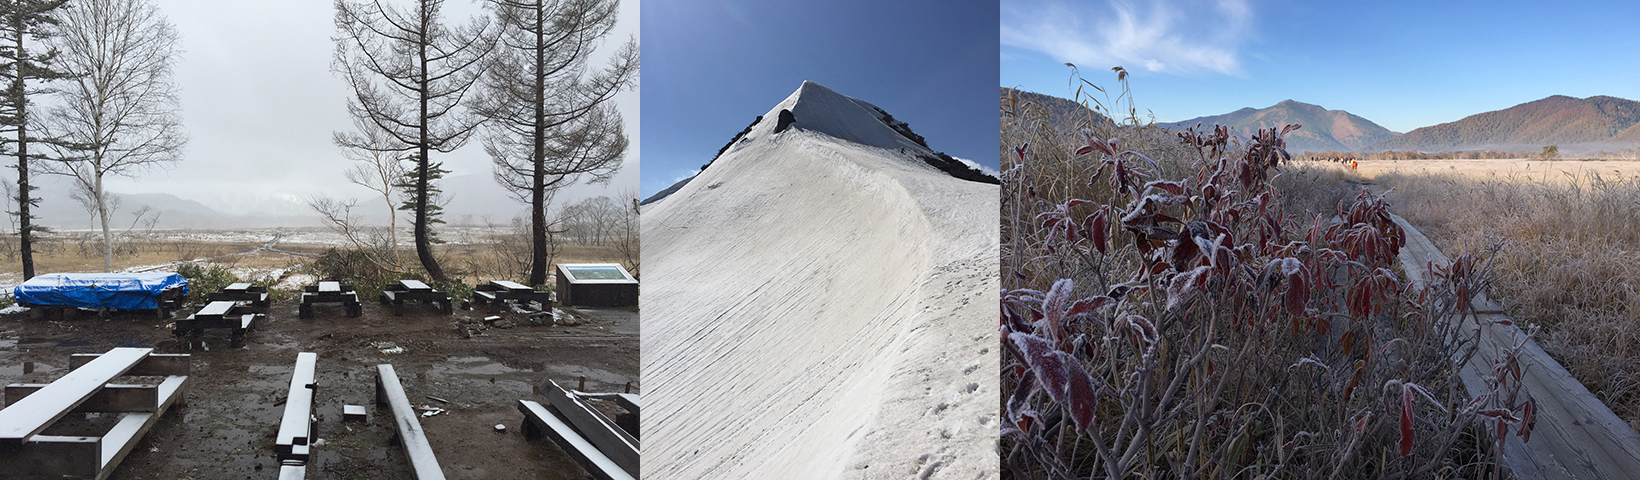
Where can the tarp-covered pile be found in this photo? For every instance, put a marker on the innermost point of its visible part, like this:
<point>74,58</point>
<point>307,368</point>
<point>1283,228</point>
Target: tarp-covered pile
<point>123,291</point>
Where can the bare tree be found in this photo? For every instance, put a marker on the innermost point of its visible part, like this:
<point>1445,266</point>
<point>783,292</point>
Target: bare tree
<point>23,22</point>
<point>377,169</point>
<point>338,215</point>
<point>626,238</point>
<point>410,74</point>
<point>550,120</point>
<point>119,113</point>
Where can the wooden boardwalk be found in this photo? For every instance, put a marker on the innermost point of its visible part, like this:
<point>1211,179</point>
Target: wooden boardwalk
<point>1577,436</point>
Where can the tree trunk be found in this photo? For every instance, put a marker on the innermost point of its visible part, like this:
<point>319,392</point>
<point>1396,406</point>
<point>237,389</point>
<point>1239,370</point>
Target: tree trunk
<point>538,185</point>
<point>424,248</point>
<point>102,214</point>
<point>25,229</point>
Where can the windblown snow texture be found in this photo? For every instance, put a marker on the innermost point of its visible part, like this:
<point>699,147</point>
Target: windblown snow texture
<point>821,303</point>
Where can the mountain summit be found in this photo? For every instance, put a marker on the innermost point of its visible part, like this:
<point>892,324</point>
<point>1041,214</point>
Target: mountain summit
<point>1323,129</point>
<point>822,265</point>
<point>817,109</point>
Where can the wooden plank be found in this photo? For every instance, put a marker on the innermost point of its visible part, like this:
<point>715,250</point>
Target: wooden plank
<point>292,472</point>
<point>111,398</point>
<point>414,285</point>
<point>237,287</point>
<point>55,456</point>
<point>390,393</point>
<point>155,364</point>
<point>598,429</point>
<point>591,459</point>
<point>27,417</point>
<point>330,287</point>
<point>1577,435</point>
<point>296,427</point>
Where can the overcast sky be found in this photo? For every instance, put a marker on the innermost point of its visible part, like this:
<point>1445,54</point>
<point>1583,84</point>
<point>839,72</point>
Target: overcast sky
<point>711,66</point>
<point>260,103</point>
<point>1402,64</point>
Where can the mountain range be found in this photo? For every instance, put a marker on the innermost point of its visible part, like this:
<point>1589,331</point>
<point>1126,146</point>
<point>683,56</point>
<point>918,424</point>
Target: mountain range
<point>1576,125</point>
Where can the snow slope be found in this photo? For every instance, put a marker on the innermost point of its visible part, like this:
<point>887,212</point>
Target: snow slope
<point>819,304</point>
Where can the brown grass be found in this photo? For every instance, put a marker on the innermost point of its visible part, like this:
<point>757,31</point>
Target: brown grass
<point>1568,262</point>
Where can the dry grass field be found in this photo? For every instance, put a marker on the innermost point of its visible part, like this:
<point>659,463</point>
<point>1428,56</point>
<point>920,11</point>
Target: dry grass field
<point>468,253</point>
<point>1569,234</point>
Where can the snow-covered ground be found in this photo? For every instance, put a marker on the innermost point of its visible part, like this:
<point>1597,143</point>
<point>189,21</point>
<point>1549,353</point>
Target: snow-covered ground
<point>820,303</point>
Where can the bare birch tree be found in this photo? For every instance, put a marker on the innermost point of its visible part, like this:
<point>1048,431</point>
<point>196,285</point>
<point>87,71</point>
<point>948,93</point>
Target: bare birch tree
<point>118,114</point>
<point>410,74</point>
<point>378,169</point>
<point>25,25</point>
<point>550,120</point>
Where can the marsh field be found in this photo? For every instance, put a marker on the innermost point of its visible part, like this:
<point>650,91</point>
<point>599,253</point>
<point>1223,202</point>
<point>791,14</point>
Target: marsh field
<point>1569,232</point>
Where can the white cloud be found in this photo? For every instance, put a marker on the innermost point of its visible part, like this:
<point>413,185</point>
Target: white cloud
<point>1173,37</point>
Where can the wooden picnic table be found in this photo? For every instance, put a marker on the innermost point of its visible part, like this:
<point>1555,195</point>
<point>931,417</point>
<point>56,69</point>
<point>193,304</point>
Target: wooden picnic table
<point>497,293</point>
<point>329,292</point>
<point>397,293</point>
<point>219,314</point>
<point>32,409</point>
<point>256,295</point>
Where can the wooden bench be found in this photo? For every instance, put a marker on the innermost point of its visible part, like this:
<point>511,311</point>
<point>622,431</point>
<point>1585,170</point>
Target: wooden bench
<point>539,422</point>
<point>497,293</point>
<point>390,393</point>
<point>243,292</point>
<point>219,314</point>
<point>397,293</point>
<point>32,408</point>
<point>298,424</point>
<point>329,292</point>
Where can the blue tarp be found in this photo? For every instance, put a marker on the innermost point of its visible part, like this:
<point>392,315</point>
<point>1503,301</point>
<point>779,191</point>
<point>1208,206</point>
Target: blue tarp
<point>123,291</point>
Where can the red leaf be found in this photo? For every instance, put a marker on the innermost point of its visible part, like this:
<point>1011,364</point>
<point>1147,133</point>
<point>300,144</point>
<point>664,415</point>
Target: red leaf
<point>1406,422</point>
<point>1080,395</point>
<point>1298,294</point>
<point>1088,304</point>
<point>1527,421</point>
<point>1097,227</point>
<point>1054,305</point>
<point>1084,150</point>
<point>1020,150</point>
<point>1044,362</point>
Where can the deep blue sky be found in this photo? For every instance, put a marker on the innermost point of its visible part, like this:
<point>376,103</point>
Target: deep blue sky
<point>711,66</point>
<point>1401,64</point>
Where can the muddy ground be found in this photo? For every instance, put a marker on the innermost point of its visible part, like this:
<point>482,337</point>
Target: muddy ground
<point>235,396</point>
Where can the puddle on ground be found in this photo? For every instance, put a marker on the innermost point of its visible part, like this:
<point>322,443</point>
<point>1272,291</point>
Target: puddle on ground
<point>472,366</point>
<point>8,344</point>
<point>568,376</point>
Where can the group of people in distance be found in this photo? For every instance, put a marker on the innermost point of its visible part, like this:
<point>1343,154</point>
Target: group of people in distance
<point>1348,161</point>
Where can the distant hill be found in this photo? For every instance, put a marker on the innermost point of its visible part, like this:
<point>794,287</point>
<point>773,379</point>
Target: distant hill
<point>1323,129</point>
<point>1061,112</point>
<point>1575,124</point>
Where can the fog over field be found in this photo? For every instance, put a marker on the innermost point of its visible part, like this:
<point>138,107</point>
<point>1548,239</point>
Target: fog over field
<point>260,104</point>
